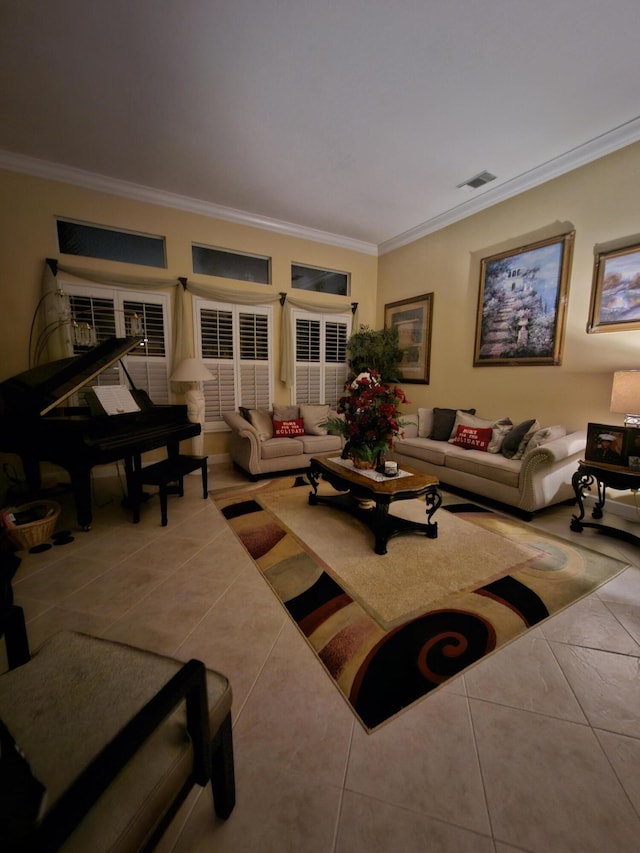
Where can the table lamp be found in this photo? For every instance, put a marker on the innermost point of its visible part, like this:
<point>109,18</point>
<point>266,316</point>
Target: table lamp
<point>193,371</point>
<point>625,396</point>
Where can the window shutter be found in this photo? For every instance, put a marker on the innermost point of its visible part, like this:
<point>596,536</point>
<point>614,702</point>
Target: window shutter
<point>114,312</point>
<point>321,360</point>
<point>308,383</point>
<point>234,342</point>
<point>219,393</point>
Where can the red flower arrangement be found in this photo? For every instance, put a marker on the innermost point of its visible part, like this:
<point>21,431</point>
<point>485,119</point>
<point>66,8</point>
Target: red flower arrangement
<point>371,417</point>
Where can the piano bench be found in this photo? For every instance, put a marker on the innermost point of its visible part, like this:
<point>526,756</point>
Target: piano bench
<point>168,476</point>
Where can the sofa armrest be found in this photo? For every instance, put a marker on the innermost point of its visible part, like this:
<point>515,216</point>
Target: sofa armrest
<point>560,448</point>
<point>241,425</point>
<point>545,476</point>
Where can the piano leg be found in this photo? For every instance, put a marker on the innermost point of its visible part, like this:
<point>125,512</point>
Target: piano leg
<point>132,466</point>
<point>81,487</point>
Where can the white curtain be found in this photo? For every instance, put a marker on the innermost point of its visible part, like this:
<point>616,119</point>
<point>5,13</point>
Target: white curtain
<point>54,329</point>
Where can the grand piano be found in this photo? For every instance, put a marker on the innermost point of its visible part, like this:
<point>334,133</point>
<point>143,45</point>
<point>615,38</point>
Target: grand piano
<point>35,426</point>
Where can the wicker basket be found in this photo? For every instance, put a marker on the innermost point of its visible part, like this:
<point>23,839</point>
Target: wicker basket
<point>33,532</point>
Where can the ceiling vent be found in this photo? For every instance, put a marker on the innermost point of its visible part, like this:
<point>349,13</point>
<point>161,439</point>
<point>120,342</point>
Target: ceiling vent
<point>477,181</point>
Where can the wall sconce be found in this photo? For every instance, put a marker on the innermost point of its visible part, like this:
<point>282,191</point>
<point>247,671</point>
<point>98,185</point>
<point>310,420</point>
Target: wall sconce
<point>193,371</point>
<point>625,396</point>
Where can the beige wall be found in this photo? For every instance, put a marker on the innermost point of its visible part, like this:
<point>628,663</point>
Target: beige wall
<point>28,236</point>
<point>601,202</point>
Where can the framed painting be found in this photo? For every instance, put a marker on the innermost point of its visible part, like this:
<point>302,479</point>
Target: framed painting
<point>413,319</point>
<point>522,304</point>
<point>615,292</point>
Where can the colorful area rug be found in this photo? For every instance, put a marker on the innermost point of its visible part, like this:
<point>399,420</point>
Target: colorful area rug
<point>381,662</point>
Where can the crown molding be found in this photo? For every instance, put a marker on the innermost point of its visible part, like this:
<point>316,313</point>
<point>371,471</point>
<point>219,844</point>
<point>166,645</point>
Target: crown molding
<point>92,181</point>
<point>607,143</point>
<point>602,145</point>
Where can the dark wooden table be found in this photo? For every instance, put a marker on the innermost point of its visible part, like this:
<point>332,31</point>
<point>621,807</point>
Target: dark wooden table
<point>604,476</point>
<point>369,500</point>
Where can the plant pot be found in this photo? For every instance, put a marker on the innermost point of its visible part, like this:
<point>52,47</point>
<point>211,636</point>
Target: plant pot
<point>363,464</point>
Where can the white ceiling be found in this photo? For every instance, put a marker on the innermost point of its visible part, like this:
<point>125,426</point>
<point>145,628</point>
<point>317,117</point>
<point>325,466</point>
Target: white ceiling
<point>357,118</point>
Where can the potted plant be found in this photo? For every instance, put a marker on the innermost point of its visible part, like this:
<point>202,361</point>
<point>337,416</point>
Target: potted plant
<point>371,418</point>
<point>375,349</point>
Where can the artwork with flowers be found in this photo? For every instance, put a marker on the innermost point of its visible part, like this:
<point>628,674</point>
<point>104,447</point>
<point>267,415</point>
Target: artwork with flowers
<point>370,418</point>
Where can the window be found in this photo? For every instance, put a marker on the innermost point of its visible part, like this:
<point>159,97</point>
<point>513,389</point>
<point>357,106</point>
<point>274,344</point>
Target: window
<point>228,264</point>
<point>321,358</point>
<point>319,280</point>
<point>92,241</point>
<point>98,313</point>
<point>234,341</point>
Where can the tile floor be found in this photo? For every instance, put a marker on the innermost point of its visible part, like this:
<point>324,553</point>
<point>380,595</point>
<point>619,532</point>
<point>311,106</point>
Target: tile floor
<point>537,748</point>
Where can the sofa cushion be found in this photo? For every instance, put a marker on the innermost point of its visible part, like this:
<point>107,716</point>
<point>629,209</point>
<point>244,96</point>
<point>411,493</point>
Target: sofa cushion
<point>425,422</point>
<point>546,434</point>
<point>274,448</point>
<point>443,421</point>
<point>468,419</point>
<point>261,420</point>
<point>499,431</point>
<point>284,428</point>
<point>512,439</point>
<point>472,437</point>
<point>313,416</point>
<point>423,448</point>
<point>286,413</point>
<point>489,466</point>
<point>321,443</point>
<point>524,442</point>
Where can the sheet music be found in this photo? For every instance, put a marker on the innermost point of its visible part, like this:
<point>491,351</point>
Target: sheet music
<point>116,399</point>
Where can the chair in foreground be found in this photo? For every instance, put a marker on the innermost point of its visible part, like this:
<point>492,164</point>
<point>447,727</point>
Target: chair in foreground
<point>117,737</point>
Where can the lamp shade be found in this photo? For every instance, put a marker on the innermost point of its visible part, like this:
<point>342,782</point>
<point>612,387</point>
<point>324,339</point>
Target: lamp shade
<point>191,370</point>
<point>625,393</point>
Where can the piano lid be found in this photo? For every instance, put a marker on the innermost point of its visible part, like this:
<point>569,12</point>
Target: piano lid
<point>42,388</point>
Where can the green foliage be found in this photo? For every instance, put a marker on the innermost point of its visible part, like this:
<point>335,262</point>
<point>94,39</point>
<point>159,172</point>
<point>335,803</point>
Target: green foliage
<point>375,349</point>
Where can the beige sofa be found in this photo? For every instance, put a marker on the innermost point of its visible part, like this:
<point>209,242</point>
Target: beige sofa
<point>534,472</point>
<point>255,447</point>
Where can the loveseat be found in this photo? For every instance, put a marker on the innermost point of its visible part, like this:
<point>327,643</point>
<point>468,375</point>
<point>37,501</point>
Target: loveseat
<point>523,465</point>
<point>267,442</point>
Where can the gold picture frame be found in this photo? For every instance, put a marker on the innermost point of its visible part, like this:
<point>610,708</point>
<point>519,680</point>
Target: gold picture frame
<point>615,291</point>
<point>522,304</point>
<point>413,320</point>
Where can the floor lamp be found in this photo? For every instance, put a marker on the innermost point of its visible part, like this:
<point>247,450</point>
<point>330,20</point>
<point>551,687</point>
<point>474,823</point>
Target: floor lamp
<point>193,371</point>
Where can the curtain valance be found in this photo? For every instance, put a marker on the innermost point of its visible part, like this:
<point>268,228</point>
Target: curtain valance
<point>55,339</point>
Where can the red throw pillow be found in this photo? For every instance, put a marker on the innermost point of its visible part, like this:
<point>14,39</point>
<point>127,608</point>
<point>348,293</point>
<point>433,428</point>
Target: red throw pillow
<point>288,428</point>
<point>473,438</point>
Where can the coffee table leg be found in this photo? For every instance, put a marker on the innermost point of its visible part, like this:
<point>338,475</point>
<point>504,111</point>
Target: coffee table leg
<point>433,499</point>
<point>381,527</point>
<point>314,478</point>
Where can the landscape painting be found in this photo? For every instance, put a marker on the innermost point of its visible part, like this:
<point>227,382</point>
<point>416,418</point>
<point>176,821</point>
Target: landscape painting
<point>615,296</point>
<point>522,303</point>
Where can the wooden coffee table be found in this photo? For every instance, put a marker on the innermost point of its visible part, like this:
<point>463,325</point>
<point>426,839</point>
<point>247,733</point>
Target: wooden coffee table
<point>369,500</point>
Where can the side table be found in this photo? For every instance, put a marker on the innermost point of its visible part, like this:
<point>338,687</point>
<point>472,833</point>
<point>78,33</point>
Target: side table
<point>603,476</point>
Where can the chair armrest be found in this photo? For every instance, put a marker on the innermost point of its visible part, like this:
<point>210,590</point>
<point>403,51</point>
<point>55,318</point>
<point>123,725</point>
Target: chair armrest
<point>189,684</point>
